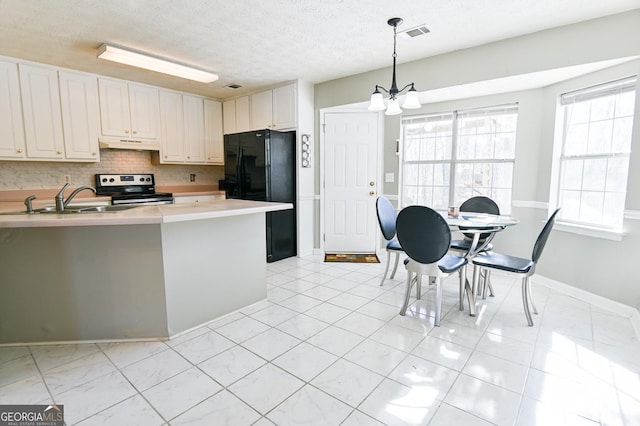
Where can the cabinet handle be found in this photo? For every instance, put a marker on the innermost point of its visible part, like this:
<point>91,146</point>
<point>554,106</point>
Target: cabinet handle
<point>134,132</point>
<point>188,157</point>
<point>93,153</point>
<point>58,152</point>
<point>19,151</point>
<point>126,131</point>
<point>165,156</point>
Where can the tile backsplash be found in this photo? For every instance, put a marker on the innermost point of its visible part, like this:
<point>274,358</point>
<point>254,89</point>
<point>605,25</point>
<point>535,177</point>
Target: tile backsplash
<point>45,175</point>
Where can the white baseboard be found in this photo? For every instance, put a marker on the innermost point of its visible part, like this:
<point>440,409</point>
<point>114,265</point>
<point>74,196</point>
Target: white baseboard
<point>602,302</point>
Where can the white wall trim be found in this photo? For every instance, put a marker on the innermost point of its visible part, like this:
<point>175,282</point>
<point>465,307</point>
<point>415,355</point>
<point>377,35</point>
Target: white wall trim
<point>632,214</point>
<point>393,197</point>
<point>628,214</point>
<point>530,204</point>
<point>309,197</point>
<point>602,302</point>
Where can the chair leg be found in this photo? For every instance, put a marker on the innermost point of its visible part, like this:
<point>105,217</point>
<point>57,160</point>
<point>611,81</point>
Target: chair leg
<point>488,284</point>
<point>395,266</point>
<point>418,286</point>
<point>535,310</point>
<point>386,269</point>
<point>463,276</point>
<point>525,300</point>
<point>407,294</point>
<point>438,302</point>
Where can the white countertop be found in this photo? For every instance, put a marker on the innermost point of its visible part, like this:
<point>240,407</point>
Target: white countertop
<point>149,214</point>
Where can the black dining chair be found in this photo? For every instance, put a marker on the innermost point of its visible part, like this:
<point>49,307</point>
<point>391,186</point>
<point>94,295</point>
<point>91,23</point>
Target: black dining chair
<point>425,237</point>
<point>478,204</point>
<point>524,268</point>
<point>387,221</point>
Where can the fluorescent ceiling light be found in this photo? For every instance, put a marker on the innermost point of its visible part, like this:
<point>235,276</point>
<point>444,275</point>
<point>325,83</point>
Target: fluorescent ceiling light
<point>117,54</point>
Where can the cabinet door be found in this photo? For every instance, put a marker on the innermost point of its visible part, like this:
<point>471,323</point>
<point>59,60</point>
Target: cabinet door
<point>261,117</point>
<point>144,106</point>
<point>193,108</point>
<point>11,126</point>
<point>229,116</point>
<point>114,109</point>
<point>171,128</point>
<point>214,139</point>
<point>284,107</point>
<point>79,104</point>
<point>243,114</point>
<point>41,109</point>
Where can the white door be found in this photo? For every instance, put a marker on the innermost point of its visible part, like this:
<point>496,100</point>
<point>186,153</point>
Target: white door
<point>351,187</point>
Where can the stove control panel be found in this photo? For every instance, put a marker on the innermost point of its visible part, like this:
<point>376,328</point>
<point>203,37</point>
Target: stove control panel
<point>124,180</point>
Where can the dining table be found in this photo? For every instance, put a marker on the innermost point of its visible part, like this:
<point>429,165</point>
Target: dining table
<point>476,224</point>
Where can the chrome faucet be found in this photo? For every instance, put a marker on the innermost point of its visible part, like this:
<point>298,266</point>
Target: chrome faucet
<point>61,203</point>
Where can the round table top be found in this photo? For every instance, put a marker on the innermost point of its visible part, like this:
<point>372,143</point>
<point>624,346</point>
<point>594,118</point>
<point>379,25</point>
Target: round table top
<point>470,220</point>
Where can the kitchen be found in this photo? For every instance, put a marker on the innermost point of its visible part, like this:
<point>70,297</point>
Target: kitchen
<point>432,74</point>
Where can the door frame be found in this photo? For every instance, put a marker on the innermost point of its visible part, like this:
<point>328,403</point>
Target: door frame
<point>379,163</point>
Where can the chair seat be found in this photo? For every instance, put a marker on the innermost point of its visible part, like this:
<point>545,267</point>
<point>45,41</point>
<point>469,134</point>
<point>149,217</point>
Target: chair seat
<point>394,245</point>
<point>465,245</point>
<point>448,264</point>
<point>503,262</point>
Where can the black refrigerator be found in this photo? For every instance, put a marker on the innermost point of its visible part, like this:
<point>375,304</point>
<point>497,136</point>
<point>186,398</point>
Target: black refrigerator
<point>260,166</point>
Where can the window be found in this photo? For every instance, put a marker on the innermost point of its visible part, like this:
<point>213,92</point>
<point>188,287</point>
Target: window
<point>448,158</point>
<point>596,132</point>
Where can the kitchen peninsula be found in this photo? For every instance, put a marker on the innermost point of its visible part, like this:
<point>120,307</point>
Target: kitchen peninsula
<point>150,272</point>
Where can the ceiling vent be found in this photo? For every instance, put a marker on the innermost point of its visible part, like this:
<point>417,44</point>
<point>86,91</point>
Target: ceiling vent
<point>233,86</point>
<point>414,32</point>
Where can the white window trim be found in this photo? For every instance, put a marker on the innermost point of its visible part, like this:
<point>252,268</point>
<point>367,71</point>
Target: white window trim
<point>455,115</point>
<point>579,229</point>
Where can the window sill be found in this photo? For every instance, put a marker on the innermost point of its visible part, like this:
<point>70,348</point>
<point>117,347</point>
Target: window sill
<point>589,231</point>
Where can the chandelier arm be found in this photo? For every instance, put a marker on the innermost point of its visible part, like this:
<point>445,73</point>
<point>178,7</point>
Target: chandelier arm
<point>405,87</point>
<point>383,89</point>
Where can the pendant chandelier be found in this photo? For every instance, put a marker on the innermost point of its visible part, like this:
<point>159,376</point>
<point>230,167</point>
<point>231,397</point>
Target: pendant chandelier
<point>411,100</point>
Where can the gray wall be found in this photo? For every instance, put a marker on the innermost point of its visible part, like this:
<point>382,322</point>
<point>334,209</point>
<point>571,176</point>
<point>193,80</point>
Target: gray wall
<point>583,262</point>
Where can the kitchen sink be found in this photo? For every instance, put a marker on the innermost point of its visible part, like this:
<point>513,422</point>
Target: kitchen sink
<point>78,209</point>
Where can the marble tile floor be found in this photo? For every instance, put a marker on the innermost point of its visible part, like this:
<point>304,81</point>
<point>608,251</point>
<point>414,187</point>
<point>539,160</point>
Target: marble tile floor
<point>329,348</point>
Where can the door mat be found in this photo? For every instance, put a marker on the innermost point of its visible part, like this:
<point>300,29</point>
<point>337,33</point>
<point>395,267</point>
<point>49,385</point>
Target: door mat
<point>353,258</point>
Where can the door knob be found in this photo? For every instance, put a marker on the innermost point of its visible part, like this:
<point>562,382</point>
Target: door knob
<point>372,193</point>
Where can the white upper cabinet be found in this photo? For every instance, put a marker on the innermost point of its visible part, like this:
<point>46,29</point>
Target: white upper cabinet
<point>128,111</point>
<point>274,109</point>
<point>285,109</point>
<point>213,137</point>
<point>171,122</point>
<point>41,112</point>
<point>184,129</point>
<point>229,116</point>
<point>243,114</point>
<point>12,144</point>
<point>237,115</point>
<point>80,123</point>
<point>261,110</point>
<point>194,142</point>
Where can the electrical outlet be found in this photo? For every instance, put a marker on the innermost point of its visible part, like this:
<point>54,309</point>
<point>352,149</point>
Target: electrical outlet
<point>67,178</point>
<point>192,177</point>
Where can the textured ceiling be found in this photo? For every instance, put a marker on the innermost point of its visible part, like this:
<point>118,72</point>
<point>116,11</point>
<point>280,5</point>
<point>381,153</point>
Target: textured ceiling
<point>258,43</point>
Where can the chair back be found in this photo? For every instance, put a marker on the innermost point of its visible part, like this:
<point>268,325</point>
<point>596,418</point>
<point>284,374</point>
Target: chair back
<point>543,237</point>
<point>480,204</point>
<point>423,234</point>
<point>386,218</point>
